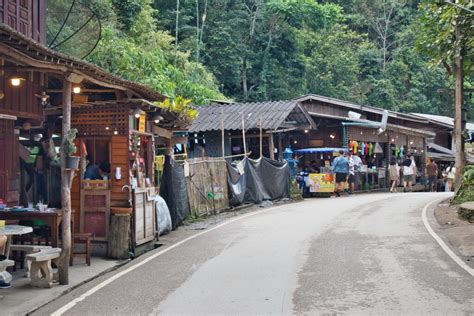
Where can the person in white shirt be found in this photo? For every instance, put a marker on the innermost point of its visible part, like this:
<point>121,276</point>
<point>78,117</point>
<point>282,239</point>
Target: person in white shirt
<point>354,168</point>
<point>408,172</point>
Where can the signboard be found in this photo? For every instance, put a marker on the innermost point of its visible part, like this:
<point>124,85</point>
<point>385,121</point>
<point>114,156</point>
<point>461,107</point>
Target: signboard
<point>142,123</point>
<point>316,143</point>
<point>321,182</point>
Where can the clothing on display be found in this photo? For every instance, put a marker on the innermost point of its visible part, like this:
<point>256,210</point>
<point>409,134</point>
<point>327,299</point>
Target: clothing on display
<point>371,149</point>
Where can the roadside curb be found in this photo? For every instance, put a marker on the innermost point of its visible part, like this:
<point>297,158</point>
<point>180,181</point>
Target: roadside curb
<point>70,289</point>
<point>444,246</point>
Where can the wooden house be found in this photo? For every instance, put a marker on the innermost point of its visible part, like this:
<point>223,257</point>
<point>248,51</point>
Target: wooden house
<point>117,122</point>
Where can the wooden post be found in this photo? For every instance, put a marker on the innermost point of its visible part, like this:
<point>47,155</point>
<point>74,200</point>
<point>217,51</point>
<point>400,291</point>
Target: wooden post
<point>280,147</point>
<point>261,136</point>
<point>223,133</point>
<point>243,135</point>
<point>271,146</point>
<point>458,104</point>
<point>66,179</point>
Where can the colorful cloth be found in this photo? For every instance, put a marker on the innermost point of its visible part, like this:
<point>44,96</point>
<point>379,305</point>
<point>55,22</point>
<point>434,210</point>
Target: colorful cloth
<point>371,149</point>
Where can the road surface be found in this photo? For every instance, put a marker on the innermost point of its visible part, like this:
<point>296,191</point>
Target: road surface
<point>365,254</point>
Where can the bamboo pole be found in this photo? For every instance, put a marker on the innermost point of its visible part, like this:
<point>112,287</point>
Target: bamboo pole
<point>66,179</point>
<point>243,135</point>
<point>261,135</point>
<point>223,133</point>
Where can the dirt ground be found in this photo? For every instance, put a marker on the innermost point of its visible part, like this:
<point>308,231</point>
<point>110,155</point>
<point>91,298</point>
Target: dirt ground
<point>459,233</point>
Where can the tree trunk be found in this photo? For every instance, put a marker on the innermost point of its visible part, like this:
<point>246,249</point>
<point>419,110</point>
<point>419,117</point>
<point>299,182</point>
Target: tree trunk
<point>458,105</point>
<point>244,79</point>
<point>66,177</point>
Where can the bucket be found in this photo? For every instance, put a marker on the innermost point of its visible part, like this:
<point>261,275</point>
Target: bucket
<point>72,163</point>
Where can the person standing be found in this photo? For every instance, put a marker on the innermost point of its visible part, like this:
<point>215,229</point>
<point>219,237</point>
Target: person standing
<point>450,172</point>
<point>407,173</point>
<point>354,168</point>
<point>340,167</point>
<point>394,171</point>
<point>432,171</point>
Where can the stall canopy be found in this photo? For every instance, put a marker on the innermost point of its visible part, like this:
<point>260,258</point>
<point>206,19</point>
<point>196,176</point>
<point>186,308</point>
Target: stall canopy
<point>319,150</point>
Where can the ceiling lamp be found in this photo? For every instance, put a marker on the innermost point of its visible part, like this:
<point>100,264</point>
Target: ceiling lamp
<point>306,131</point>
<point>138,112</point>
<point>76,89</point>
<point>157,118</point>
<point>16,80</point>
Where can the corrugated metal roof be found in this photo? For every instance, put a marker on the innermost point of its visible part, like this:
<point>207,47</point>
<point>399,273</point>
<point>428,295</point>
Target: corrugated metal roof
<point>443,119</point>
<point>273,114</point>
<point>372,109</point>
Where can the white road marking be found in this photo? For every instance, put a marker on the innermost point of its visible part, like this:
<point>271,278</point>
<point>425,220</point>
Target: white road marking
<point>72,303</point>
<point>443,245</point>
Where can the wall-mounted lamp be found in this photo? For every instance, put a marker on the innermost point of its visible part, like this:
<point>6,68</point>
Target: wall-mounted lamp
<point>16,80</point>
<point>138,112</point>
<point>76,89</point>
<point>115,132</point>
<point>157,118</point>
<point>107,128</point>
<point>332,136</point>
<point>306,131</point>
<point>296,142</point>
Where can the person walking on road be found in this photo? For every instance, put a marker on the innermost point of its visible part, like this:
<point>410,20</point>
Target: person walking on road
<point>450,172</point>
<point>394,171</point>
<point>408,173</point>
<point>432,171</point>
<point>340,166</point>
<point>354,168</point>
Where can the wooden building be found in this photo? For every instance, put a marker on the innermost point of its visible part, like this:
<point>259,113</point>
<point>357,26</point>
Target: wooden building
<point>117,122</point>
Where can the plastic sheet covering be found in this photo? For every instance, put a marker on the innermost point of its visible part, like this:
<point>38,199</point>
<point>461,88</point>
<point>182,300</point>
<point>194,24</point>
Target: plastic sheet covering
<point>174,191</point>
<point>255,181</point>
<point>163,217</point>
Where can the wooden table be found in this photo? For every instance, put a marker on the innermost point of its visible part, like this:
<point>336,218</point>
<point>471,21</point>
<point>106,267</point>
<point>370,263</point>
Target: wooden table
<point>51,218</point>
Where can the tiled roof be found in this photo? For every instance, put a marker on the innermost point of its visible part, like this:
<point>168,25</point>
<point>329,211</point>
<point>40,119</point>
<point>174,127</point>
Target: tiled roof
<point>274,115</point>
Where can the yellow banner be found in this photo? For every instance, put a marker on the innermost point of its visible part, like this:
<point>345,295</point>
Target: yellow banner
<point>142,123</point>
<point>321,182</point>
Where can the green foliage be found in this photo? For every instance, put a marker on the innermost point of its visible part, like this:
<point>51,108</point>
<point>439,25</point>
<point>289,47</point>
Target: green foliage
<point>181,106</point>
<point>69,148</point>
<point>466,191</point>
<point>132,47</point>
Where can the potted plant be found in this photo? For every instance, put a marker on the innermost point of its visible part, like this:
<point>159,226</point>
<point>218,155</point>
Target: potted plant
<point>72,162</point>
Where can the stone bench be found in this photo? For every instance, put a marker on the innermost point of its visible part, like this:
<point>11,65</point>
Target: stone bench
<point>42,274</point>
<point>4,275</point>
<point>27,249</point>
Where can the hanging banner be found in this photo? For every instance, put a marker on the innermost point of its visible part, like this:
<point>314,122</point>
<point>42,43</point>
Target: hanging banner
<point>321,182</point>
<point>142,123</point>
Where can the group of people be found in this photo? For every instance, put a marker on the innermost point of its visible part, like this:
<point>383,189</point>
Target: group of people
<point>409,170</point>
<point>345,167</point>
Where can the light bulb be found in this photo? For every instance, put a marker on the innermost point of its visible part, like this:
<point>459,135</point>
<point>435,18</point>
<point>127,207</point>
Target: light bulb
<point>15,82</point>
<point>76,90</point>
<point>115,132</point>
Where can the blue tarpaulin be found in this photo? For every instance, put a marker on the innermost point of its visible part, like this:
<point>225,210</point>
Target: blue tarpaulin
<point>318,150</point>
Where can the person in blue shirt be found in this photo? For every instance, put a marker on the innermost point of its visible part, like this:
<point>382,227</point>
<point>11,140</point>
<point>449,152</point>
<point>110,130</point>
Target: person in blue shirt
<point>340,166</point>
<point>97,172</point>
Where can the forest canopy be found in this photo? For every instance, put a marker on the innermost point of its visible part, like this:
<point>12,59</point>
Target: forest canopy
<point>364,51</point>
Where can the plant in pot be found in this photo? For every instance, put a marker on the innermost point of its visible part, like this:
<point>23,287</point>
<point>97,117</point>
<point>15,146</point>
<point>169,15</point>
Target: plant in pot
<point>72,162</point>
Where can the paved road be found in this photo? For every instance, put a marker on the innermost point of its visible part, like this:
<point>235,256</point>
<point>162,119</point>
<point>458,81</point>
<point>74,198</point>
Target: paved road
<point>367,254</point>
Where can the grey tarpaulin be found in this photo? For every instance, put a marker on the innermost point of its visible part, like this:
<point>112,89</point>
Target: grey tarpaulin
<point>174,191</point>
<point>263,179</point>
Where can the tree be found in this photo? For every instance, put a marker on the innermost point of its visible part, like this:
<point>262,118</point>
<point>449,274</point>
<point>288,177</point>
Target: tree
<point>448,37</point>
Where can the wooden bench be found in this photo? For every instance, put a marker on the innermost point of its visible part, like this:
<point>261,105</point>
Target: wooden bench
<point>27,249</point>
<point>4,275</point>
<point>42,274</point>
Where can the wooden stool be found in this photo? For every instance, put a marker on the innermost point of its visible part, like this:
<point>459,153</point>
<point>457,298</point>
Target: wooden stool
<point>81,238</point>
